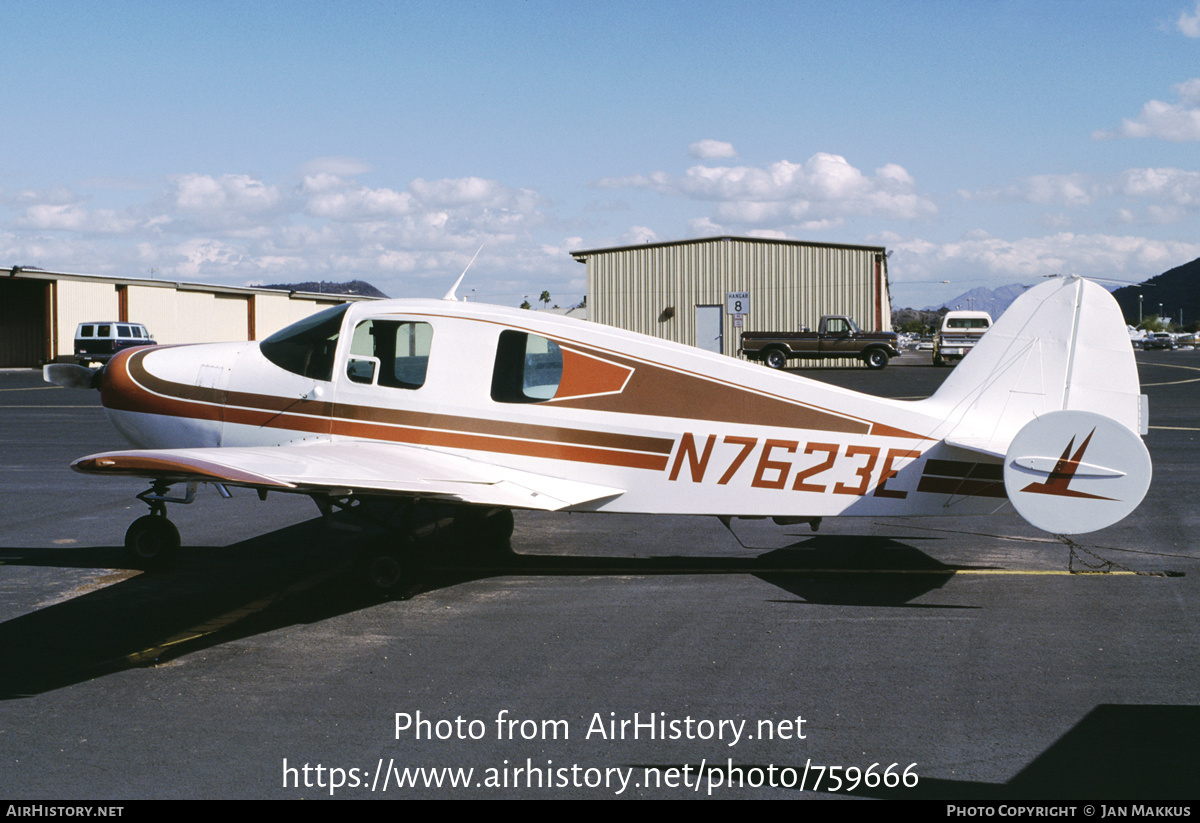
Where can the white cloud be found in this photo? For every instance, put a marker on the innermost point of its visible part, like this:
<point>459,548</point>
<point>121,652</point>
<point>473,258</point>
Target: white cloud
<point>1173,186</point>
<point>235,228</point>
<point>1189,24</point>
<point>228,193</point>
<point>822,191</point>
<point>1000,261</point>
<point>1045,190</point>
<point>1177,122</point>
<point>73,217</point>
<point>1166,194</point>
<point>462,191</point>
<point>638,236</point>
<point>711,149</point>
<point>328,196</point>
<point>337,166</point>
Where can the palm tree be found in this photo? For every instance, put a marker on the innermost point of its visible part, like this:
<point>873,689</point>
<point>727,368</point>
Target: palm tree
<point>545,298</point>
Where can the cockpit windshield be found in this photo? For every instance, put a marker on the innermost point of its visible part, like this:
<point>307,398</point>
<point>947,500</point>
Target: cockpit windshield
<point>307,347</point>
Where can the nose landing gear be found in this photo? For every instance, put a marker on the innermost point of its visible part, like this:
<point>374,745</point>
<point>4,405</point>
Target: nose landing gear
<point>152,540</point>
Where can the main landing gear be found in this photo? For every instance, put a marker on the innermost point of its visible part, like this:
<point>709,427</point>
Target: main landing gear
<point>392,538</point>
<point>398,538</point>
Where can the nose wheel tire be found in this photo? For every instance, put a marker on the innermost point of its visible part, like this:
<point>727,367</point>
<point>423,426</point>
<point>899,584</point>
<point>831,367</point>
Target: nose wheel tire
<point>152,540</point>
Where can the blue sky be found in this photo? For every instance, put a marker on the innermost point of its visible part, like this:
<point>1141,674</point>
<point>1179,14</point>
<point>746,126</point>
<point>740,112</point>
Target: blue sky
<point>982,143</point>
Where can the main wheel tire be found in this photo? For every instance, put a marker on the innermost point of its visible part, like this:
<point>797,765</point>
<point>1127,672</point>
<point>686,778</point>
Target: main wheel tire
<point>497,529</point>
<point>152,540</point>
<point>387,565</point>
<point>486,530</point>
<point>384,571</point>
<point>875,359</point>
<point>775,359</point>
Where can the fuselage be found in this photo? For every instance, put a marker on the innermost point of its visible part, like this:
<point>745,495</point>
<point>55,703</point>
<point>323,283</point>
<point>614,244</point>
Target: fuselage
<point>679,430</point>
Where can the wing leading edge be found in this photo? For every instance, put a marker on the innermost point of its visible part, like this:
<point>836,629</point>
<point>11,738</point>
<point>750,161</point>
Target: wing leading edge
<point>368,468</point>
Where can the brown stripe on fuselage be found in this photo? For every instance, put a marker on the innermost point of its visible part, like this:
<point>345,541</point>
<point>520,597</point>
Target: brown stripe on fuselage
<point>128,392</point>
<point>506,445</point>
<point>502,428</point>
<point>958,477</point>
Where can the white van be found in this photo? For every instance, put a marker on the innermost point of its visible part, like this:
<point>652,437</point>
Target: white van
<point>99,341</point>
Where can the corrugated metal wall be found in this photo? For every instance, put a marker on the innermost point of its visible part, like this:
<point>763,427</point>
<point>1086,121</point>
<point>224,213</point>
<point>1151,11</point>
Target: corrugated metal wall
<point>655,289</point>
<point>274,311</point>
<point>173,312</point>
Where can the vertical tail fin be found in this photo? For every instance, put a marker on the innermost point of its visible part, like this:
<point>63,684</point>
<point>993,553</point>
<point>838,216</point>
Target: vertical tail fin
<point>1061,345</point>
<point>1053,389</point>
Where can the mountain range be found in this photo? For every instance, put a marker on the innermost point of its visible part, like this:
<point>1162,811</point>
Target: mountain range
<point>355,287</point>
<point>1177,291</point>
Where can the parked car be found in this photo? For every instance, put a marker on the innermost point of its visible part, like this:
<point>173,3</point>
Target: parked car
<point>1158,340</point>
<point>99,341</point>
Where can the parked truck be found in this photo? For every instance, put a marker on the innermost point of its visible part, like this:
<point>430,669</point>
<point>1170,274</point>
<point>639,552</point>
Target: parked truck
<point>959,333</point>
<point>837,336</point>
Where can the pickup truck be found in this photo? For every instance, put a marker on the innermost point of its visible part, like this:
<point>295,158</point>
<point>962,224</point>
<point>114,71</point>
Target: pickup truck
<point>838,336</point>
<point>959,333</point>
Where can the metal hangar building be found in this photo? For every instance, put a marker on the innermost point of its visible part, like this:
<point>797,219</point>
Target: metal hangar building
<point>689,291</point>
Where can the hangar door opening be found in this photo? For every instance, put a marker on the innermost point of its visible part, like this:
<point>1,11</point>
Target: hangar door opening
<point>23,339</point>
<point>709,328</point>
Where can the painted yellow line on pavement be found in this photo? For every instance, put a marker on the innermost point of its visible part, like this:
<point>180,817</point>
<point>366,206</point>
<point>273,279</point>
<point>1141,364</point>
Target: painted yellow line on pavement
<point>222,621</point>
<point>1172,366</point>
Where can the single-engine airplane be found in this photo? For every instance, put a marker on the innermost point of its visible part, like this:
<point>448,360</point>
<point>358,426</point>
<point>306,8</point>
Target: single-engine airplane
<point>488,409</point>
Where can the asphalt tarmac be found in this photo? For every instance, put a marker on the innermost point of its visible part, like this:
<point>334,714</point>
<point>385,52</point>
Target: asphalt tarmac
<point>607,656</point>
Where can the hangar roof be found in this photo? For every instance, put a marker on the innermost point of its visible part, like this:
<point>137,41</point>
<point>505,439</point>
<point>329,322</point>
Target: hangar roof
<point>582,256</point>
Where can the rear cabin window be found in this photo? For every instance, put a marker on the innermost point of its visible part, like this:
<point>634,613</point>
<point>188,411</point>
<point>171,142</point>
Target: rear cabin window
<point>967,323</point>
<point>393,353</point>
<point>87,331</point>
<point>307,348</point>
<point>528,368</point>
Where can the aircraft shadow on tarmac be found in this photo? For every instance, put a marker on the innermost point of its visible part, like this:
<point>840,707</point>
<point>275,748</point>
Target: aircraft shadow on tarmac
<point>1115,752</point>
<point>304,574</point>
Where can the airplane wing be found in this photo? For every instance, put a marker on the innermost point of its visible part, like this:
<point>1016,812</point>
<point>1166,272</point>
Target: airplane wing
<point>370,468</point>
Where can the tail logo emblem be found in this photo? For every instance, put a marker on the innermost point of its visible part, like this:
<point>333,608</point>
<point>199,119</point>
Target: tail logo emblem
<point>1057,484</point>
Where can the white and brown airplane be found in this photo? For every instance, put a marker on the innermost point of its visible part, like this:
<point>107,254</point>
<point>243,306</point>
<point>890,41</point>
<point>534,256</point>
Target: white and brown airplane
<point>492,409</point>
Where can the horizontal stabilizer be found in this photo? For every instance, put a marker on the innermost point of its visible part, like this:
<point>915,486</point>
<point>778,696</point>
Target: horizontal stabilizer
<point>1071,472</point>
<point>365,468</point>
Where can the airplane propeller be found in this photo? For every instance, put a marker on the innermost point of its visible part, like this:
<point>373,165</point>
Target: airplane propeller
<point>71,376</point>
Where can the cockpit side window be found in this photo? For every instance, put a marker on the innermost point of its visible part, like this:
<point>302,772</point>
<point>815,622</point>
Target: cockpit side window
<point>394,353</point>
<point>307,348</point>
<point>528,368</point>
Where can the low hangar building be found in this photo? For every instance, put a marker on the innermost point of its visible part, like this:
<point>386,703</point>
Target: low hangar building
<point>40,309</point>
<point>689,290</point>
